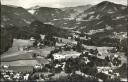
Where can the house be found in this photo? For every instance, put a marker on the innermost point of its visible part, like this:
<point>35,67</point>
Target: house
<point>42,37</point>
<point>69,38</point>
<point>32,39</point>
<point>58,56</point>
<point>86,60</point>
<point>60,44</point>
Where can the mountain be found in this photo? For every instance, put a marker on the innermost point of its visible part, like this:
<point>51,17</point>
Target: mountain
<point>101,9</point>
<point>15,16</point>
<point>33,9</point>
<point>12,16</point>
<point>47,29</point>
<point>106,23</point>
<point>46,14</point>
<point>101,16</point>
<point>35,29</point>
<point>100,21</point>
<point>53,16</point>
<point>63,17</point>
<point>17,22</point>
<point>107,7</point>
<point>74,11</point>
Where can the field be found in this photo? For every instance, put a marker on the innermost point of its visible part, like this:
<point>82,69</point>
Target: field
<point>42,60</point>
<point>13,57</point>
<point>67,40</point>
<point>23,56</point>
<point>21,63</point>
<point>17,43</point>
<point>21,68</point>
<point>45,51</point>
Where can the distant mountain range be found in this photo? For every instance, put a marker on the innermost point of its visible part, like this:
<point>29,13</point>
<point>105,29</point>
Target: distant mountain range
<point>15,16</point>
<point>105,15</point>
<point>57,17</point>
<point>98,20</point>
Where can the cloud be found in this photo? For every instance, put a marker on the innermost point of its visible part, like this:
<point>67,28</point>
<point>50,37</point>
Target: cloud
<point>56,3</point>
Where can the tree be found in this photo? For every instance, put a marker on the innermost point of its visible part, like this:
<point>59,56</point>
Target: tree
<point>35,43</point>
<point>79,46</point>
<point>49,40</point>
<point>6,40</point>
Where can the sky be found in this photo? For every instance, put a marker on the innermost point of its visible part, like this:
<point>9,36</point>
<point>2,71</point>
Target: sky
<point>56,3</point>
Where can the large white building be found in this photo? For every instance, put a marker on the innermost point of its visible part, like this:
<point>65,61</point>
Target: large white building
<point>66,54</point>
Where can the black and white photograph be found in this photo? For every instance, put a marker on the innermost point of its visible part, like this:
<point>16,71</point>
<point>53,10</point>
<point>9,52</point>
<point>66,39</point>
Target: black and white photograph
<point>64,41</point>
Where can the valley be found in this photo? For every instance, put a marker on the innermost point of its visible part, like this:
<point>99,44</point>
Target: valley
<point>82,43</point>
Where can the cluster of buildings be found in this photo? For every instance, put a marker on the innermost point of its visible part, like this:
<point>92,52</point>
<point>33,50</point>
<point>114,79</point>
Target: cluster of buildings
<point>14,76</point>
<point>66,54</point>
<point>108,71</point>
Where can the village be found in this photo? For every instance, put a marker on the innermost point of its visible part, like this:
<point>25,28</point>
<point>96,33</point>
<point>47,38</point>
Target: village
<point>54,58</point>
<point>64,41</point>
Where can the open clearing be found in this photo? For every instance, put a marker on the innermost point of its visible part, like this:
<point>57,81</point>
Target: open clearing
<point>16,44</point>
<point>21,68</point>
<point>21,63</point>
<point>21,56</point>
<point>45,51</point>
